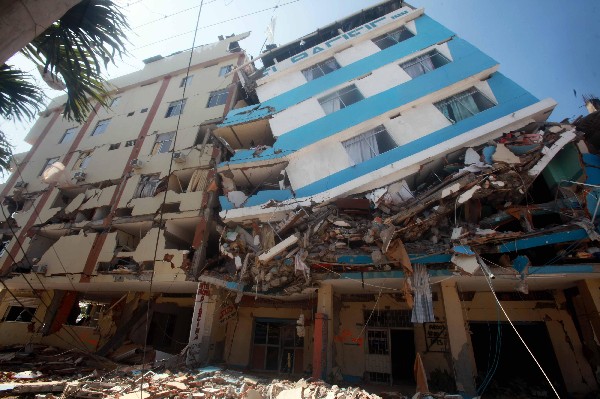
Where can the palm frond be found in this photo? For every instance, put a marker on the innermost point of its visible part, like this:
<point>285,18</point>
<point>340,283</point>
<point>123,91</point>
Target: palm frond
<point>5,153</point>
<point>76,47</point>
<point>19,98</point>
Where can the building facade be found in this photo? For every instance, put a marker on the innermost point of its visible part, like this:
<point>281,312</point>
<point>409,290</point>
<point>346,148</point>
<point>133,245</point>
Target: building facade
<point>376,195</point>
<point>103,217</point>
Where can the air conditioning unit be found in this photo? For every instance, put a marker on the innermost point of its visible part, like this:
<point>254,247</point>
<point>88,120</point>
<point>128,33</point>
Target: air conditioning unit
<point>21,184</point>
<point>79,176</point>
<point>41,269</point>
<point>179,157</point>
<point>137,164</point>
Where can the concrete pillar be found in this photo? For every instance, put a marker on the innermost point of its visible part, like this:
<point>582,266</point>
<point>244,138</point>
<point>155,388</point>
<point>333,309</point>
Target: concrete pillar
<point>460,347</point>
<point>323,333</point>
<point>590,296</point>
<point>201,328</point>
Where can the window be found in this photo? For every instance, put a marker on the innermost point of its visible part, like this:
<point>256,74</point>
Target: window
<point>147,186</point>
<point>68,136</point>
<point>48,163</point>
<point>186,81</point>
<point>225,70</point>
<point>144,110</point>
<point>464,105</point>
<point>19,313</point>
<point>130,143</point>
<point>175,108</point>
<point>217,98</point>
<point>163,143</point>
<point>320,69</point>
<point>340,99</point>
<point>4,244</point>
<point>369,144</point>
<point>115,101</point>
<point>131,113</point>
<point>424,63</point>
<point>377,342</point>
<point>393,37</point>
<point>100,127</point>
<point>83,161</point>
<point>114,146</point>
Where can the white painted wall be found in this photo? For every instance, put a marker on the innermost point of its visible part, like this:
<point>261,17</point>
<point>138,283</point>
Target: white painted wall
<point>279,86</point>
<point>296,116</point>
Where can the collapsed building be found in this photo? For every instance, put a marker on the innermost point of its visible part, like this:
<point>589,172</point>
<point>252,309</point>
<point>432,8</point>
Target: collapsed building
<point>374,191</point>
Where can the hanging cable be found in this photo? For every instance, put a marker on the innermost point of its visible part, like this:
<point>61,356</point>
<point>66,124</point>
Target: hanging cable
<point>162,207</point>
<point>488,279</point>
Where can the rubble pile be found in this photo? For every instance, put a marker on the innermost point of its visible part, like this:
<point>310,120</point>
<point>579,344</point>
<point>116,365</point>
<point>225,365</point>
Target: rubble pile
<point>466,198</point>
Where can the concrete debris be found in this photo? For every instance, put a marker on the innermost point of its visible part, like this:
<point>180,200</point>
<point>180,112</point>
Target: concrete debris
<point>475,196</point>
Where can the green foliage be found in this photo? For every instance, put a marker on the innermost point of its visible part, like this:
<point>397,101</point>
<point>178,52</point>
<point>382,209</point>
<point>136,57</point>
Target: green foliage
<point>19,98</point>
<point>76,46</point>
<point>5,153</point>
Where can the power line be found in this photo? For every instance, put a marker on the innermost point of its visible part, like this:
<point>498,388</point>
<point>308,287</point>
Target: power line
<point>215,24</point>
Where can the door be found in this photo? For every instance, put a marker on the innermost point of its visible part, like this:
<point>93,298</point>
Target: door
<point>403,355</point>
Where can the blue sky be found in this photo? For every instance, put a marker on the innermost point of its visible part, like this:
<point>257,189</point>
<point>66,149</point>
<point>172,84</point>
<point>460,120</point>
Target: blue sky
<point>547,46</point>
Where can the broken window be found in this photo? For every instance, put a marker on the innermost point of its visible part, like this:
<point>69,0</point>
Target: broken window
<point>369,144</point>
<point>68,135</point>
<point>186,81</point>
<point>48,163</point>
<point>162,143</point>
<point>424,63</point>
<point>320,69</point>
<point>130,143</point>
<point>3,244</point>
<point>100,127</point>
<point>147,186</point>
<point>175,108</point>
<point>340,99</point>
<point>19,313</point>
<point>393,37</point>
<point>83,161</point>
<point>464,104</point>
<point>114,146</point>
<point>217,98</point>
<point>225,70</point>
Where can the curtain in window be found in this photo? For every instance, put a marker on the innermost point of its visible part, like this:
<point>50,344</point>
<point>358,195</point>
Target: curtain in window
<point>308,74</point>
<point>332,105</point>
<point>420,65</point>
<point>362,147</point>
<point>423,306</point>
<point>459,108</point>
<point>147,187</point>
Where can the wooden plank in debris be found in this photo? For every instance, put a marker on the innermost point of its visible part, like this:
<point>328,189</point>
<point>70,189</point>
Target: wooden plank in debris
<point>279,248</point>
<point>355,206</point>
<point>36,387</point>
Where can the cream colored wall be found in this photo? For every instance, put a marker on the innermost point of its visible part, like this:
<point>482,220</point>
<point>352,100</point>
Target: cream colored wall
<point>238,347</point>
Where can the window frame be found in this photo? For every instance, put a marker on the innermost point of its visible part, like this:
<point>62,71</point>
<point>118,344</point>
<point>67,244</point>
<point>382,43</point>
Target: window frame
<point>83,160</point>
<point>130,143</point>
<point>49,162</point>
<point>364,136</point>
<point>175,108</point>
<point>70,131</point>
<point>115,102</point>
<point>319,67</point>
<point>463,94</point>
<point>153,180</point>
<point>380,40</point>
<point>218,95</point>
<point>338,94</point>
<point>157,148</point>
<point>186,81</point>
<point>101,127</point>
<point>225,70</point>
<point>419,60</point>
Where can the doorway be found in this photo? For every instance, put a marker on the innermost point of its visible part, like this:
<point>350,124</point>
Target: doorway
<point>403,355</point>
<point>277,347</point>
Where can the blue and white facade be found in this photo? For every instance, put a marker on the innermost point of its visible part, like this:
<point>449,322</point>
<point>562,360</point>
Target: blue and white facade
<point>374,105</point>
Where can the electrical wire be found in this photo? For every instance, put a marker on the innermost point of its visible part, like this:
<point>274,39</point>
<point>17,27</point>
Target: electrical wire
<point>162,207</point>
<point>488,280</point>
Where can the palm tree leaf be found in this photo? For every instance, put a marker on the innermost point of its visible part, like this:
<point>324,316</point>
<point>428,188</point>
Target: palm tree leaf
<point>19,98</point>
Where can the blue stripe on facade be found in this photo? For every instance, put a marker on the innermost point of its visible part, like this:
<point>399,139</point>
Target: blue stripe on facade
<point>429,32</point>
<point>546,239</point>
<point>510,96</point>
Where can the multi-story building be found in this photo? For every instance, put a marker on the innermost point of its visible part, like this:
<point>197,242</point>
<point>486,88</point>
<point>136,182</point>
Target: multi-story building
<point>100,217</point>
<point>383,181</point>
<point>385,195</point>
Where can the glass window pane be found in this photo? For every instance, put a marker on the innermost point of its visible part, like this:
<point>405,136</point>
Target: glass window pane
<point>464,105</point>
<point>393,37</point>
